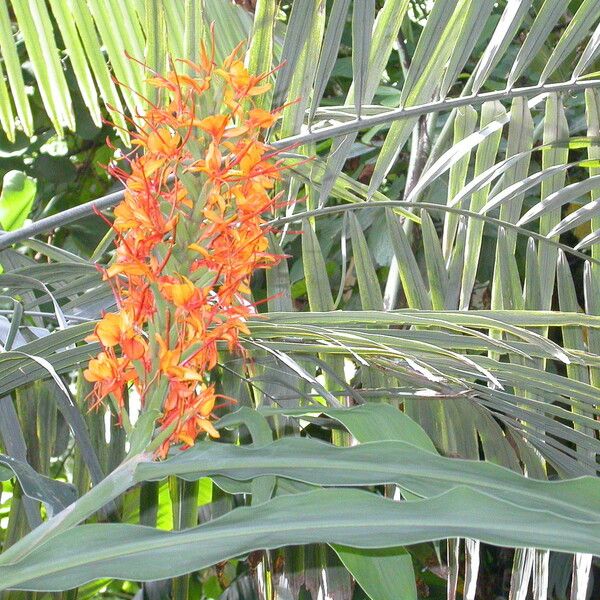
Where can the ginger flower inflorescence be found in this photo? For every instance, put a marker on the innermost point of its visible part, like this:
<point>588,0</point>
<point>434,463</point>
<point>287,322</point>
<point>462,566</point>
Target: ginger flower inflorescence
<point>190,231</point>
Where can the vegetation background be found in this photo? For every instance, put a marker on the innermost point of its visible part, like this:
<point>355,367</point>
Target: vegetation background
<point>450,217</point>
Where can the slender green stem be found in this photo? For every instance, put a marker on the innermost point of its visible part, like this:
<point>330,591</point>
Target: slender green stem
<point>185,515</point>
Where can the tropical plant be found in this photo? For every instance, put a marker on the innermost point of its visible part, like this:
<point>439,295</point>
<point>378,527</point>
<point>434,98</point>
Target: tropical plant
<point>428,326</point>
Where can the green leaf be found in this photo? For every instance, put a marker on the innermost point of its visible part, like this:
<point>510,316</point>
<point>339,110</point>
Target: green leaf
<point>437,274</point>
<point>418,471</point>
<point>412,280</point>
<point>384,574</point>
<point>385,31</point>
<point>12,65</point>
<point>368,285</point>
<point>16,199</point>
<point>538,34</point>
<point>36,27</point>
<point>260,53</point>
<point>7,119</point>
<point>577,29</point>
<point>76,54</point>
<point>56,495</point>
<point>503,35</point>
<point>363,16</point>
<point>297,32</point>
<point>367,521</point>
<point>491,113</point>
<point>329,52</point>
<point>95,57</point>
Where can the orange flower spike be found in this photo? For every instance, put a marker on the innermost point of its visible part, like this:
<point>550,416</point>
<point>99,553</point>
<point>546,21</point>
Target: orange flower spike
<point>212,165</point>
<point>229,241</point>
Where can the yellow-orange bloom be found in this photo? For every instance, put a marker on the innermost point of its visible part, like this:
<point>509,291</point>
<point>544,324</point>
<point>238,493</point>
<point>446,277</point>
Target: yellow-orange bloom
<point>179,294</point>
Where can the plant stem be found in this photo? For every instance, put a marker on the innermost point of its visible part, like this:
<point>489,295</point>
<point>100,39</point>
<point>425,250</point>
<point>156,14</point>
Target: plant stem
<point>185,515</point>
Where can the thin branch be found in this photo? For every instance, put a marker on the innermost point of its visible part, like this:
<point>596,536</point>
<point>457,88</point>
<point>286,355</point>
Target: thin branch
<point>79,212</point>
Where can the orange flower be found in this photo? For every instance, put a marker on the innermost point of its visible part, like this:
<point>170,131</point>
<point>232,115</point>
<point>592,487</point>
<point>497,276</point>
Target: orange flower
<point>110,374</point>
<point>169,363</point>
<point>163,142</point>
<point>117,329</point>
<point>261,118</point>
<point>214,125</point>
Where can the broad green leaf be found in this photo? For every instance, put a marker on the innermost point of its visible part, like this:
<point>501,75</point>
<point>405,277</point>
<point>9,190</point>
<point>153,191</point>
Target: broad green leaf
<point>367,521</point>
<point>16,199</point>
<point>421,472</point>
<point>56,495</point>
<point>386,574</point>
<point>118,482</point>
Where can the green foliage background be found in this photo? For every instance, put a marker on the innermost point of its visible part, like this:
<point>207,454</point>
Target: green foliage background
<point>433,336</point>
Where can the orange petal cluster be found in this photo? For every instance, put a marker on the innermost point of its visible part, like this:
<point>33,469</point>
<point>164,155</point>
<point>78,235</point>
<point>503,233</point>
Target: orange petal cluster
<point>190,231</point>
